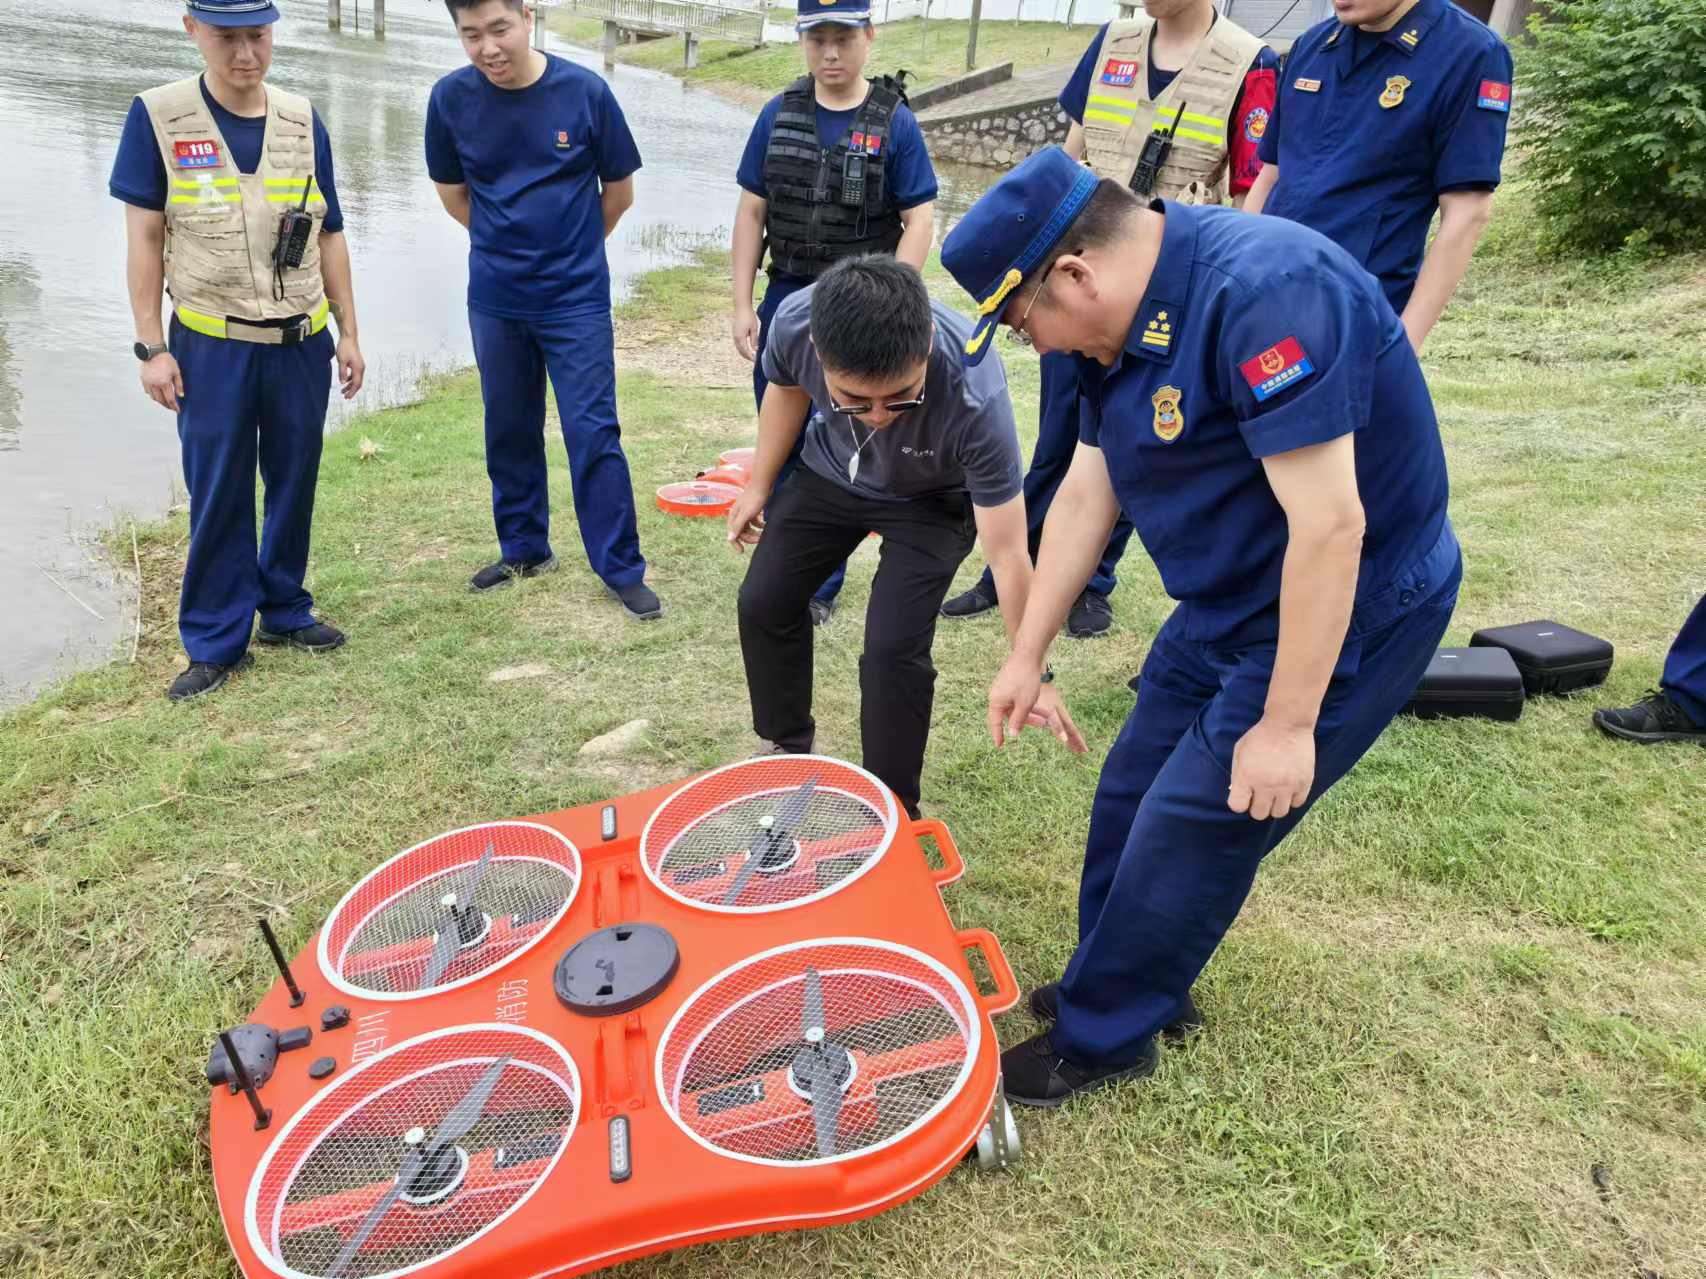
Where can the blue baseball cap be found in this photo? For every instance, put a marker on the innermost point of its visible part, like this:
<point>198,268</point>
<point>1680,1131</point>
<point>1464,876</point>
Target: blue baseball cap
<point>233,13</point>
<point>845,13</point>
<point>1010,230</point>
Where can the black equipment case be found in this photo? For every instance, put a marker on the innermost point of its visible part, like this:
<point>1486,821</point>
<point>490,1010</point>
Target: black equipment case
<point>1479,682</point>
<point>1552,658</point>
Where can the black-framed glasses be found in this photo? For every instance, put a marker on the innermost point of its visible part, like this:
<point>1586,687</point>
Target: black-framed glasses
<point>892,406</point>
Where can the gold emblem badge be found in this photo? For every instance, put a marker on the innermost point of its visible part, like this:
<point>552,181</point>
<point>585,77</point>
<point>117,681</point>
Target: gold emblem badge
<point>1394,92</point>
<point>1169,421</point>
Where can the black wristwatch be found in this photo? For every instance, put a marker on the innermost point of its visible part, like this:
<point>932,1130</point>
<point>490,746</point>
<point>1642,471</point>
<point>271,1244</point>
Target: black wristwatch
<point>146,351</point>
<point>1047,677</point>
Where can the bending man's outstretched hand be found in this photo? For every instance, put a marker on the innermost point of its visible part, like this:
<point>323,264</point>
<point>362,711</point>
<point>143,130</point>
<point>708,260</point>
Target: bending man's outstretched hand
<point>1019,697</point>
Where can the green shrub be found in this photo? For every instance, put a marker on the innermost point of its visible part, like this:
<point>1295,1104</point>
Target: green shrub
<point>1611,122</point>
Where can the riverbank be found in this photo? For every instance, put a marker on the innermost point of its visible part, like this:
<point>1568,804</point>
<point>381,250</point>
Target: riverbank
<point>930,53</point>
<point>1473,977</point>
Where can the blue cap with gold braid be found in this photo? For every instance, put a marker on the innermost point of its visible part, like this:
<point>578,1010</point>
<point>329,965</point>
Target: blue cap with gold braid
<point>1007,234</point>
<point>846,13</point>
<point>233,13</point>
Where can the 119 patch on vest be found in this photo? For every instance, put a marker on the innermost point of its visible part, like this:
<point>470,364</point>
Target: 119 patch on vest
<point>1119,71</point>
<point>202,154</point>
<point>1494,96</point>
<point>1281,365</point>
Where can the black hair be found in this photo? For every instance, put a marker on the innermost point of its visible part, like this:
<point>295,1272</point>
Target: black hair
<point>456,6</point>
<point>1105,220</point>
<point>871,317</point>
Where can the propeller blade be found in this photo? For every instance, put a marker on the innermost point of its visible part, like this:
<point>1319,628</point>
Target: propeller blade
<point>777,835</point>
<point>742,877</point>
<point>444,948</point>
<point>826,1102</point>
<point>466,1113</point>
<point>466,898</point>
<point>407,1173</point>
<point>793,812</point>
<point>811,1009</point>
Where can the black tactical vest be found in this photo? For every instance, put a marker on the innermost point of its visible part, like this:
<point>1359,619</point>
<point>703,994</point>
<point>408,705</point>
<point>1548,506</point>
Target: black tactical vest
<point>806,224</point>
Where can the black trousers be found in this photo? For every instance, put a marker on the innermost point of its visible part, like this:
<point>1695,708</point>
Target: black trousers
<point>812,526</point>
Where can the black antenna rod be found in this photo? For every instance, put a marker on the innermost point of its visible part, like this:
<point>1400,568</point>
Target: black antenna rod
<point>296,995</point>
<point>240,1073</point>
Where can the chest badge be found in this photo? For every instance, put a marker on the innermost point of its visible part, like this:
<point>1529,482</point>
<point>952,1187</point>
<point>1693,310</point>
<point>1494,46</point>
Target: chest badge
<point>1169,419</point>
<point>1119,71</point>
<point>199,154</point>
<point>1304,85</point>
<point>563,140</point>
<point>1394,93</point>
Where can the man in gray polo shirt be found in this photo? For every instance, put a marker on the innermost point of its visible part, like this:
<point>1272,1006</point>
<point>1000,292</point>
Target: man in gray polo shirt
<point>903,440</point>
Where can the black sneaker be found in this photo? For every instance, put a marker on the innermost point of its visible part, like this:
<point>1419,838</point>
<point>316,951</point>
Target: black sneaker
<point>321,637</point>
<point>975,601</point>
<point>822,611</point>
<point>1034,1074</point>
<point>506,571</point>
<point>1045,1004</point>
<point>639,601</point>
<point>1655,718</point>
<point>1091,616</point>
<point>204,677</point>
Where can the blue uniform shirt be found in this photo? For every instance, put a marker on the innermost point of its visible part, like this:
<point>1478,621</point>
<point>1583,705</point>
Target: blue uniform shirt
<point>533,160</point>
<point>139,173</point>
<point>911,177</point>
<point>1369,131</point>
<point>1257,337</point>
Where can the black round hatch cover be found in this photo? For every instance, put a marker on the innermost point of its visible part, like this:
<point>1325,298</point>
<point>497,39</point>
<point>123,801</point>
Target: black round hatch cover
<point>616,969</point>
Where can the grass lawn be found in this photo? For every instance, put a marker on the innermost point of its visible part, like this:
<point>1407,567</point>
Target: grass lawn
<point>1459,1031</point>
<point>928,55</point>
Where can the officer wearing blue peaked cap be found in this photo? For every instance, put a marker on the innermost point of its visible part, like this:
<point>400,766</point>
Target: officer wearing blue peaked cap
<point>847,13</point>
<point>233,13</point>
<point>1227,367</point>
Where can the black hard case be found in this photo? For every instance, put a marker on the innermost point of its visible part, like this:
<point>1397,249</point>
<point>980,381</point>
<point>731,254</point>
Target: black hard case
<point>1479,682</point>
<point>1553,658</point>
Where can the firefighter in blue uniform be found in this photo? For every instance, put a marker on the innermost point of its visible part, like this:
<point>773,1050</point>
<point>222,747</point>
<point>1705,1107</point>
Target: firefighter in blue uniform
<point>1676,710</point>
<point>220,159</point>
<point>1390,110</point>
<point>532,154</point>
<point>835,166</point>
<point>1252,405</point>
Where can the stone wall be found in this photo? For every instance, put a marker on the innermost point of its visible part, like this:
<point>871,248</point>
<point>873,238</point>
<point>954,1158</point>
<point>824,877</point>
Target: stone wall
<point>998,138</point>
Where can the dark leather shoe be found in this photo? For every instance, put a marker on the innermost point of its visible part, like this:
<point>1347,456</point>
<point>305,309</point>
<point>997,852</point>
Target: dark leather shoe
<point>1091,616</point>
<point>1034,1074</point>
<point>970,604</point>
<point>204,677</point>
<point>639,601</point>
<point>321,637</point>
<point>821,611</point>
<point>1045,1004</point>
<point>1655,718</point>
<point>506,571</point>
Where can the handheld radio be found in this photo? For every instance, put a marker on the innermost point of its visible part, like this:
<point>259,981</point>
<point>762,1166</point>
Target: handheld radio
<point>853,179</point>
<point>294,228</point>
<point>1156,148</point>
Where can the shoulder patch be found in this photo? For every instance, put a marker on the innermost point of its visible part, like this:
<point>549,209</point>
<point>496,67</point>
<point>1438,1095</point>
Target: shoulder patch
<point>1283,364</point>
<point>1494,96</point>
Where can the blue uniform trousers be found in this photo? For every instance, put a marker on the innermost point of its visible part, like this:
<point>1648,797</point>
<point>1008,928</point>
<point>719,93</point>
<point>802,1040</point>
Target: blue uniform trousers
<point>1057,440</point>
<point>776,293</point>
<point>1168,865</point>
<point>578,352</point>
<point>245,405</point>
<point>1685,665</point>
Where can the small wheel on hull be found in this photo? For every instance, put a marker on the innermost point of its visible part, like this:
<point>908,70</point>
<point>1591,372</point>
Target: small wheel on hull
<point>998,1144</point>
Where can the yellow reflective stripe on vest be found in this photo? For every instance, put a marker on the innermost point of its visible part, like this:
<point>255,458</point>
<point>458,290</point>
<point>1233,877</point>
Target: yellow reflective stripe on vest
<point>214,325</point>
<point>206,190</point>
<point>1165,116</point>
<point>287,190</point>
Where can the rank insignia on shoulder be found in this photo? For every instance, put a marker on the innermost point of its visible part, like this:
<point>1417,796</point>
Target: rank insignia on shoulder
<point>1412,38</point>
<point>562,139</point>
<point>1169,420</point>
<point>1303,85</point>
<point>1158,333</point>
<point>1394,92</point>
<point>1281,365</point>
<point>1494,96</point>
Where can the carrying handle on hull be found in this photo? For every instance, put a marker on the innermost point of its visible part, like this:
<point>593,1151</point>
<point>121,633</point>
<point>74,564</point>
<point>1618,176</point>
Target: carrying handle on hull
<point>1006,984</point>
<point>953,865</point>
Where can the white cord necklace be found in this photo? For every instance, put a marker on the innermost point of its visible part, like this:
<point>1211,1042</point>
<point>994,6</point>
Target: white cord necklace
<point>858,448</point>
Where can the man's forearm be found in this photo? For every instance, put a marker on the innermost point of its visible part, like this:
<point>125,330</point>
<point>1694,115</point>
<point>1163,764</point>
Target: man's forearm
<point>1074,537</point>
<point>916,237</point>
<point>615,199</point>
<point>1317,591</point>
<point>745,248</point>
<point>1257,196</point>
<point>1013,579</point>
<point>1444,266</point>
<point>145,271</point>
<point>780,419</point>
<point>339,280</point>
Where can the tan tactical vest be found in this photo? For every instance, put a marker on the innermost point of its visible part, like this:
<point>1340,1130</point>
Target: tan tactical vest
<point>1120,116</point>
<point>221,225</point>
